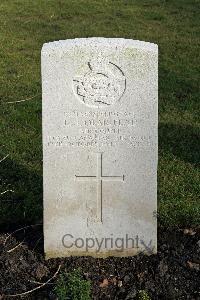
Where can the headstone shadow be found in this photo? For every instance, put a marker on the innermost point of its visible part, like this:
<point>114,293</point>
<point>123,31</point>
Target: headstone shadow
<point>22,203</point>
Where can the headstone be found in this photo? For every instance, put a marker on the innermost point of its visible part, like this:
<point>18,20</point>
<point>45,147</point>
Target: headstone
<point>100,147</point>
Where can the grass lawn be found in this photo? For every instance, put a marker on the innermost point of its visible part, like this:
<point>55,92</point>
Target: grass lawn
<point>173,24</point>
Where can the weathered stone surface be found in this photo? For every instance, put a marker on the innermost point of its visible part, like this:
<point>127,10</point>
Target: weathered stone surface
<point>100,147</point>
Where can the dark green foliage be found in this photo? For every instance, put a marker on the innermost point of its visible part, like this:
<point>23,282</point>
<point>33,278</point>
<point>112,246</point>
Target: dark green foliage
<point>71,286</point>
<point>143,295</point>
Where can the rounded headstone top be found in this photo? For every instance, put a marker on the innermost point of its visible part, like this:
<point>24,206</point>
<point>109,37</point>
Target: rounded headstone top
<point>100,41</point>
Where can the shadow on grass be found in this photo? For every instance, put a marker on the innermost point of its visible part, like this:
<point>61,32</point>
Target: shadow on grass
<point>182,141</point>
<point>23,204</point>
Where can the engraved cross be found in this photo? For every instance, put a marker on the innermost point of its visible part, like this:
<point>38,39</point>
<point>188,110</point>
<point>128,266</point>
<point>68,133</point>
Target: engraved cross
<point>99,178</point>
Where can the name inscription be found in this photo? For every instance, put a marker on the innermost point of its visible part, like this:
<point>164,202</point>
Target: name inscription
<point>98,129</point>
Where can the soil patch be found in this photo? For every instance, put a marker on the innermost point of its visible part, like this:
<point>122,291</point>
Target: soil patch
<point>174,273</point>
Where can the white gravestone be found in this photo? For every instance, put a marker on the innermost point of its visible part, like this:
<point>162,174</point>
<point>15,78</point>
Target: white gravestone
<point>100,147</point>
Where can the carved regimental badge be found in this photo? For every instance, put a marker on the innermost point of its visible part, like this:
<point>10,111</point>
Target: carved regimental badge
<point>103,84</point>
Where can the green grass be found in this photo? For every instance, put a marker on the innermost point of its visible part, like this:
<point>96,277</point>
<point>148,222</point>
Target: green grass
<point>172,24</point>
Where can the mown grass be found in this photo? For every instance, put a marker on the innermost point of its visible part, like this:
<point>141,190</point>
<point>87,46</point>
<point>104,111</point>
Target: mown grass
<point>172,24</point>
